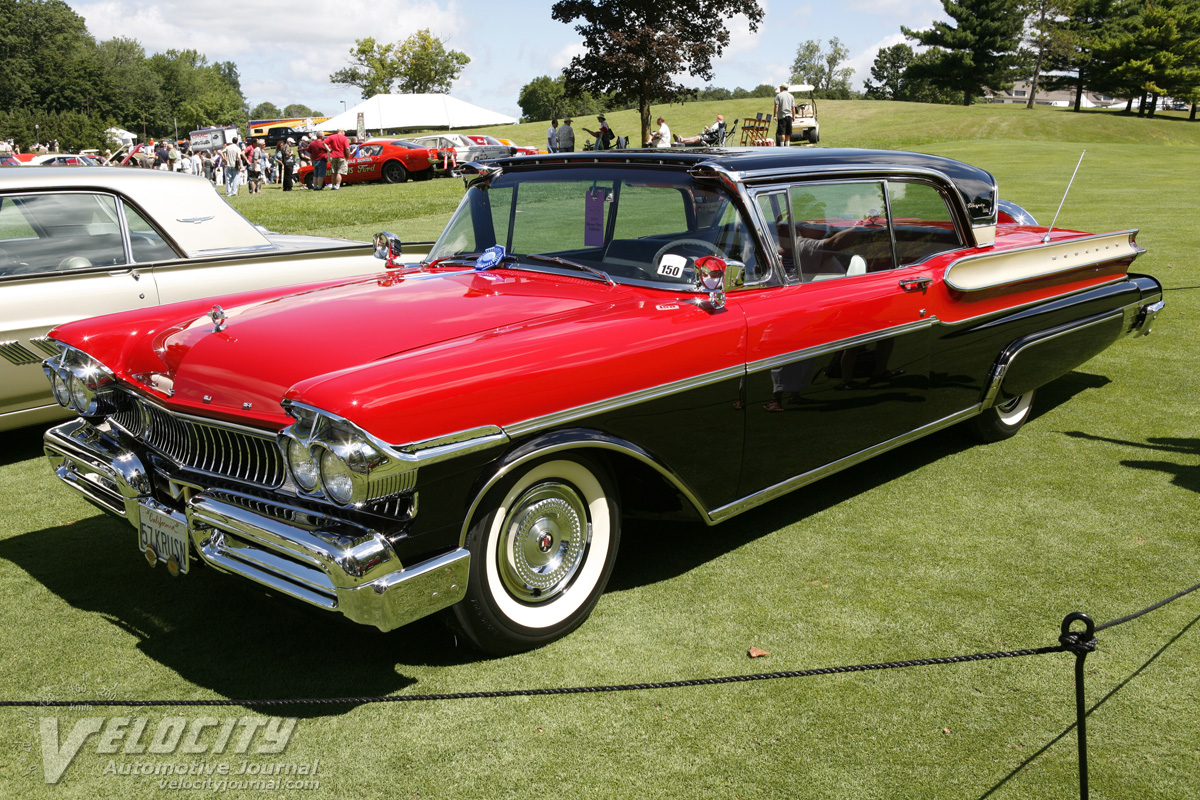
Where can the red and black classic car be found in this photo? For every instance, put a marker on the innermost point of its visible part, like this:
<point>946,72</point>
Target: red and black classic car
<point>465,434</point>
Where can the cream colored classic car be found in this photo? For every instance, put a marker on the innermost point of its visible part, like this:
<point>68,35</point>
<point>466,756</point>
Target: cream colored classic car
<point>77,243</point>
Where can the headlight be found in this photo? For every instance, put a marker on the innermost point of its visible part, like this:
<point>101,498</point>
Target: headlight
<point>58,385</point>
<point>330,456</point>
<point>79,382</point>
<point>336,478</point>
<point>79,395</point>
<point>302,465</point>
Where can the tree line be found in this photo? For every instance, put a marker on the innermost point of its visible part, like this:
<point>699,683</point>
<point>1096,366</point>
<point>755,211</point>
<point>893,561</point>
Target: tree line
<point>1134,49</point>
<point>59,83</point>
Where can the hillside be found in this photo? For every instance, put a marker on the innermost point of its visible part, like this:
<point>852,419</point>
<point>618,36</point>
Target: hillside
<point>866,123</point>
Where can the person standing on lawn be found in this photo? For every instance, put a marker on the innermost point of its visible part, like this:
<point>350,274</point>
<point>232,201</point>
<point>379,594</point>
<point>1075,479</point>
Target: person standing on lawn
<point>317,152</point>
<point>339,155</point>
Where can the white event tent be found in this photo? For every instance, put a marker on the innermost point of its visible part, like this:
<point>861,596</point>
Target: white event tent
<point>424,111</point>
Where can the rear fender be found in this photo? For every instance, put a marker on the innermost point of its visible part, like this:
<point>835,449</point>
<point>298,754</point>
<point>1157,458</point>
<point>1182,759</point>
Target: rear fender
<point>1036,359</point>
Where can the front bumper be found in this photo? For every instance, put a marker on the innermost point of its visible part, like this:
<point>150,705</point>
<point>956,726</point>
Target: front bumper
<point>327,562</point>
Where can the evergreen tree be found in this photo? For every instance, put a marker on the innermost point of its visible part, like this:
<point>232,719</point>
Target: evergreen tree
<point>978,51</point>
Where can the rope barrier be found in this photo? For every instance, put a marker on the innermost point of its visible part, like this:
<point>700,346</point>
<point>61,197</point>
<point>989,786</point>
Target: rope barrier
<point>1079,642</point>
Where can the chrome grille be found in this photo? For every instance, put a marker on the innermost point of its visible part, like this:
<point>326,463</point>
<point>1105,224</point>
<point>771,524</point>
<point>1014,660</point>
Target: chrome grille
<point>212,448</point>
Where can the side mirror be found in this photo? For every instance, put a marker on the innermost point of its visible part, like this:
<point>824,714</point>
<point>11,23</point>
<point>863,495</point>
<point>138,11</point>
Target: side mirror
<point>717,276</point>
<point>387,247</point>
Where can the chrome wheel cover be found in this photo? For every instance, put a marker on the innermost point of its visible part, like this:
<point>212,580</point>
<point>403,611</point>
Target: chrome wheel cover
<point>543,541</point>
<point>1015,410</point>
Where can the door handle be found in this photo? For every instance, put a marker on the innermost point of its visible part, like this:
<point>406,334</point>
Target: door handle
<point>916,284</point>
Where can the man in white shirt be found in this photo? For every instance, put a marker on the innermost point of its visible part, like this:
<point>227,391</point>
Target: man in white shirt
<point>661,137</point>
<point>552,137</point>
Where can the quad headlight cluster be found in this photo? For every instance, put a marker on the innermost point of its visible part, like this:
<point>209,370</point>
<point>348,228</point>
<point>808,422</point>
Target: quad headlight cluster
<point>330,457</point>
<point>80,382</point>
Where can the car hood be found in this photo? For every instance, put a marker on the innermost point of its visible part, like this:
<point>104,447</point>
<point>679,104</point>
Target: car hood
<point>263,347</point>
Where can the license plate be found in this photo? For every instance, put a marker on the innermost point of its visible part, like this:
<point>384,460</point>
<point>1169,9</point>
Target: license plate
<point>163,537</point>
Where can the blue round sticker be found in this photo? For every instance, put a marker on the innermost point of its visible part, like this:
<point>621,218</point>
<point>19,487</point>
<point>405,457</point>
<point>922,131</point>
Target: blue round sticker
<point>490,257</point>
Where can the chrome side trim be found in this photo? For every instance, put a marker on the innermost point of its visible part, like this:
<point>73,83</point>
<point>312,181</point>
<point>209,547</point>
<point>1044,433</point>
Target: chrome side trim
<point>19,354</point>
<point>534,424</point>
<point>841,344</point>
<point>782,488</point>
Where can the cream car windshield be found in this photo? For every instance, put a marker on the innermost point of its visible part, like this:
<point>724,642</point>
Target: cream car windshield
<point>644,227</point>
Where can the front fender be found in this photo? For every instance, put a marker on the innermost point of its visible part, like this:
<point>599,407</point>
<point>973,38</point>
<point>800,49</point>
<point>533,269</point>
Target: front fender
<point>570,440</point>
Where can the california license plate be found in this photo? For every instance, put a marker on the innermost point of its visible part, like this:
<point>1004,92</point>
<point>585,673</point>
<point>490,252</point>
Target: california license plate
<point>163,537</point>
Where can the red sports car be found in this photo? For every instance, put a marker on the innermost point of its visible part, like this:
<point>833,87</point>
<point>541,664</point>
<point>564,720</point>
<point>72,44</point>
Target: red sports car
<point>388,160</point>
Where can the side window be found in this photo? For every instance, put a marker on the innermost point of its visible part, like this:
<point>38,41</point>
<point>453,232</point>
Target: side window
<point>145,242</point>
<point>824,231</point>
<point>921,221</point>
<point>59,231</point>
<point>840,230</point>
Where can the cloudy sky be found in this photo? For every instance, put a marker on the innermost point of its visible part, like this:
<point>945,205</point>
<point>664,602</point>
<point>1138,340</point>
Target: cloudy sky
<point>285,51</point>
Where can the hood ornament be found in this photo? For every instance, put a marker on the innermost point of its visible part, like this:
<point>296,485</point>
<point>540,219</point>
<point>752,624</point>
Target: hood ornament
<point>217,315</point>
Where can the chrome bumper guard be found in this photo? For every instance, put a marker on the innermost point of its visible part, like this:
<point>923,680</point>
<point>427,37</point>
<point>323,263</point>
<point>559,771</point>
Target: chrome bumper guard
<point>327,562</point>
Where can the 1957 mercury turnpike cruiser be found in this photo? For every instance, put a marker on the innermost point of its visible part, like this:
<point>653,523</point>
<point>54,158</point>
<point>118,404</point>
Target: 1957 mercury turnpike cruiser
<point>680,334</point>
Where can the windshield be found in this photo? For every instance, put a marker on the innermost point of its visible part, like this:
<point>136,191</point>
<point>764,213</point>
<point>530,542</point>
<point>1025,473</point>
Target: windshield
<point>639,226</point>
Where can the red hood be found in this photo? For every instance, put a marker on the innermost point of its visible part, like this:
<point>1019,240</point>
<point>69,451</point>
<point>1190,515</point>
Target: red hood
<point>269,345</point>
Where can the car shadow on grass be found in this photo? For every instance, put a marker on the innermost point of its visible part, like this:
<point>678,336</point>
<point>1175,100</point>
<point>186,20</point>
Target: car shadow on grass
<point>21,444</point>
<point>222,633</point>
<point>225,635</point>
<point>654,551</point>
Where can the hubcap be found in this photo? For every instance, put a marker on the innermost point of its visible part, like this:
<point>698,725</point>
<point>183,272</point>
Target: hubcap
<point>543,541</point>
<point>1014,411</point>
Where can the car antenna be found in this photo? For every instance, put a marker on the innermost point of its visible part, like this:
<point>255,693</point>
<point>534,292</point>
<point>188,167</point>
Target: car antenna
<point>1046,238</point>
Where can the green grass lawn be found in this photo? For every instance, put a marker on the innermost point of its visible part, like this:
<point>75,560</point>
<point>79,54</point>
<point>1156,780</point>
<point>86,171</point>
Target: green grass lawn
<point>939,548</point>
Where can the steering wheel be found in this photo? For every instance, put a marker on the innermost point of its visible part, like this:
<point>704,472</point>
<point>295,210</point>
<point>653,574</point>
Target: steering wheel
<point>709,246</point>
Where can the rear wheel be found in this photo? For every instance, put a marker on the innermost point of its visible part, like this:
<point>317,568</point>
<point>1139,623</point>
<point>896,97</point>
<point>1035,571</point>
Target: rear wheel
<point>394,172</point>
<point>309,182</point>
<point>1002,420</point>
<point>542,548</point>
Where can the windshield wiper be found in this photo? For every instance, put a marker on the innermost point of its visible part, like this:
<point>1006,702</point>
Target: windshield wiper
<point>573,265</point>
<point>445,259</point>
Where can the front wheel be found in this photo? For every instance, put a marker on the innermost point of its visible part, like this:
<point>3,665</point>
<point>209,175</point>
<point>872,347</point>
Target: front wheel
<point>394,172</point>
<point>542,548</point>
<point>1002,420</point>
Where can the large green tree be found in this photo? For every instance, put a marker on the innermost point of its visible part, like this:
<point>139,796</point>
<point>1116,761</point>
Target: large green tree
<point>427,66</point>
<point>45,56</point>
<point>547,98</point>
<point>822,67</point>
<point>1079,32</point>
<point>977,49</point>
<point>1157,51</point>
<point>195,93</point>
<point>421,63</point>
<point>633,47</point>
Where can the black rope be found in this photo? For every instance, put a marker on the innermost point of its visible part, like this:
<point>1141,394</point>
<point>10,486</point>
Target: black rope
<point>1147,610</point>
<point>626,687</point>
<point>1078,642</point>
